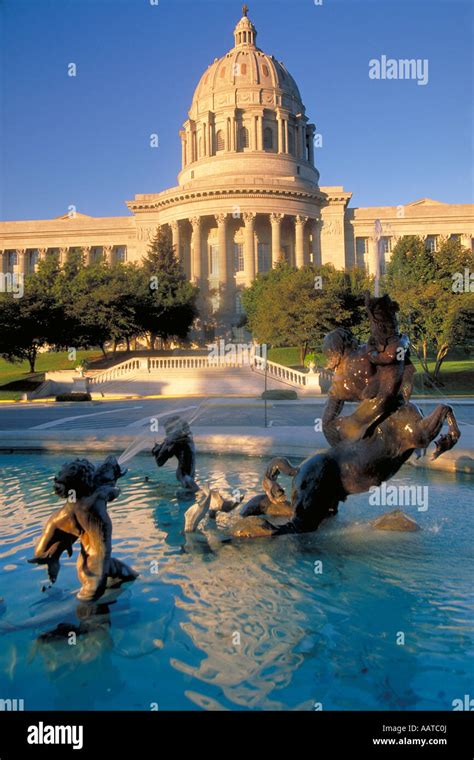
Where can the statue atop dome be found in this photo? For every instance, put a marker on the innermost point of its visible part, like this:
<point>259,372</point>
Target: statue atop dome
<point>245,10</point>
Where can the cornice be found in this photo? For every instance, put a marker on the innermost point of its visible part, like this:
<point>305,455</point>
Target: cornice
<point>156,204</point>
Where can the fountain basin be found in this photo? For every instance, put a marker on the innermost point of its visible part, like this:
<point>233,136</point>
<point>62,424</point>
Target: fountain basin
<point>268,624</point>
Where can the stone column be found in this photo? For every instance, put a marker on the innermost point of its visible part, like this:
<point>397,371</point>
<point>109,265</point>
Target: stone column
<point>221,220</point>
<point>22,260</point>
<point>310,132</point>
<point>276,220</point>
<point>315,243</point>
<point>249,246</point>
<point>303,141</point>
<point>196,244</point>
<point>3,261</point>
<point>280,133</point>
<point>42,254</point>
<point>300,222</point>
<point>63,252</point>
<point>182,135</point>
<point>107,254</point>
<point>87,254</point>
<point>175,233</point>
<point>285,125</point>
<point>373,265</point>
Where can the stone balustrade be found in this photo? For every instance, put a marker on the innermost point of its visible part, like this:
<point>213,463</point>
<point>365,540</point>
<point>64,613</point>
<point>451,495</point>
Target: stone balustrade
<point>155,365</point>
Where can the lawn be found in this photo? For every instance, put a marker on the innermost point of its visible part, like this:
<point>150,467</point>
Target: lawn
<point>456,374</point>
<point>46,362</point>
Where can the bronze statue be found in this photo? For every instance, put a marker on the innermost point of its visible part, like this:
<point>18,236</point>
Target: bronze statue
<point>378,374</point>
<point>179,443</point>
<point>273,500</point>
<point>84,516</point>
<point>326,479</point>
<point>369,446</point>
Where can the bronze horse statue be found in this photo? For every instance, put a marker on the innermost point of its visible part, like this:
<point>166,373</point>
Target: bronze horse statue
<point>369,446</point>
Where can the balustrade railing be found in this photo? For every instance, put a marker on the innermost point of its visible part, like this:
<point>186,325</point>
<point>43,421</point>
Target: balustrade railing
<point>257,363</point>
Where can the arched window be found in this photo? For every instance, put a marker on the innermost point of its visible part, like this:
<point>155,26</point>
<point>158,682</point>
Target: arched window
<point>220,144</point>
<point>268,138</point>
<point>243,138</point>
<point>265,70</point>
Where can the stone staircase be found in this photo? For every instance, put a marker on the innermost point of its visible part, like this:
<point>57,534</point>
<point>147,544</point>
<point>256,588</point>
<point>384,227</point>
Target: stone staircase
<point>190,376</point>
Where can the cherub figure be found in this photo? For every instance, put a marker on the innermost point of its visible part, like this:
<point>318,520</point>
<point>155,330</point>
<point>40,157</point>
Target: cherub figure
<point>84,516</point>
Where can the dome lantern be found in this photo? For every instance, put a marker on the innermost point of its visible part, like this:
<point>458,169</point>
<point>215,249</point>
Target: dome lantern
<point>245,33</point>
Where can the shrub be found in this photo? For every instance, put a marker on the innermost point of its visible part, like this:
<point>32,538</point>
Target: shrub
<point>74,397</point>
<point>280,395</point>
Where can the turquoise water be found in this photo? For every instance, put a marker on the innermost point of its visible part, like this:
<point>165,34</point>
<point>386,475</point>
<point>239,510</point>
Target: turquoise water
<point>249,625</point>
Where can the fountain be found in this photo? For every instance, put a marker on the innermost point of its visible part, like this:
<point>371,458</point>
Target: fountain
<point>369,446</point>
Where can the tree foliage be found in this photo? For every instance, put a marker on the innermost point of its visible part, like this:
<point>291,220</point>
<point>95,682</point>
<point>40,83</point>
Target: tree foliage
<point>288,306</point>
<point>82,307</point>
<point>433,314</point>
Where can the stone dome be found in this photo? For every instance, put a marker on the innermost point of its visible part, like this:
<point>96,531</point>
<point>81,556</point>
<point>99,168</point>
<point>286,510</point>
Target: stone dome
<point>243,69</point>
<point>247,118</point>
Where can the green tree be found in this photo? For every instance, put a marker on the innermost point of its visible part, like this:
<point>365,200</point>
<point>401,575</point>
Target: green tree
<point>167,300</point>
<point>435,316</point>
<point>288,306</point>
<point>31,322</point>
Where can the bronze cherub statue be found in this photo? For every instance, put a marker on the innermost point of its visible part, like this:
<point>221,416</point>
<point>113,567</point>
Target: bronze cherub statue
<point>84,517</point>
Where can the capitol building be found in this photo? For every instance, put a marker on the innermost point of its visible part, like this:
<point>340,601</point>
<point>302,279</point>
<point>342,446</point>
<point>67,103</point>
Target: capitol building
<point>248,194</point>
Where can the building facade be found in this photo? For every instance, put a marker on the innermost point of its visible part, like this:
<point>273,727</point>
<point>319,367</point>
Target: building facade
<point>248,194</point>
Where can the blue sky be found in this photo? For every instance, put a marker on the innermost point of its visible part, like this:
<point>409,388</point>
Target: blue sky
<point>84,141</point>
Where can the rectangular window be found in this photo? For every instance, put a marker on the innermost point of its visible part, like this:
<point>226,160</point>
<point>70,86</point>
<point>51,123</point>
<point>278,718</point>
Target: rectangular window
<point>386,245</point>
<point>238,257</point>
<point>431,243</point>
<point>213,259</point>
<point>263,257</point>
<point>361,252</point>
<point>121,254</point>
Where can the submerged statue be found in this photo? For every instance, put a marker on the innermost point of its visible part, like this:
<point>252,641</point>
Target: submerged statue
<point>369,446</point>
<point>84,517</point>
<point>179,443</point>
